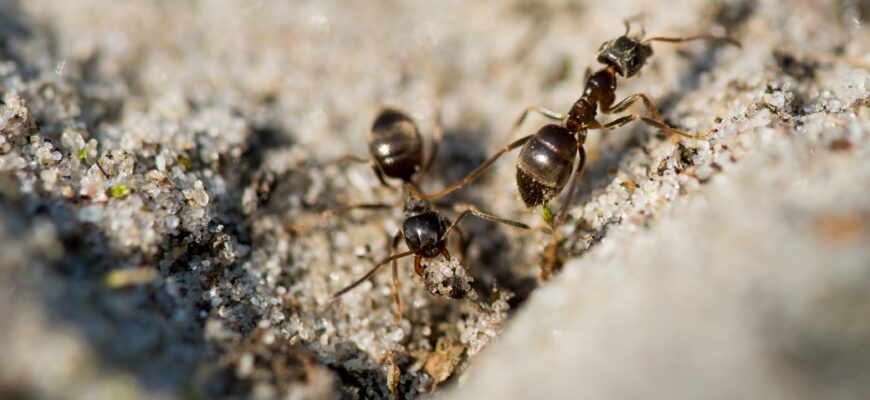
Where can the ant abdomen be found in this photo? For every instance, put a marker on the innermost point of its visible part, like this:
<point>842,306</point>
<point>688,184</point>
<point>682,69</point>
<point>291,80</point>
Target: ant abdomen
<point>396,145</point>
<point>545,163</point>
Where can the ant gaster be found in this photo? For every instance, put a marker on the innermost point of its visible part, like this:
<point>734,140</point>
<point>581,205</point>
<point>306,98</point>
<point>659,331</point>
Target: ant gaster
<point>545,162</point>
<point>396,149</point>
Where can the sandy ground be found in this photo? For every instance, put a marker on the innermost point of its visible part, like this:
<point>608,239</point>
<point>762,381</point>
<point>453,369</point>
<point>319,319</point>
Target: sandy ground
<point>153,155</point>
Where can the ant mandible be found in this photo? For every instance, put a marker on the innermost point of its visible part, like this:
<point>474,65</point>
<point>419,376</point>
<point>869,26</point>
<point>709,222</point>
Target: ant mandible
<point>545,162</point>
<point>396,148</point>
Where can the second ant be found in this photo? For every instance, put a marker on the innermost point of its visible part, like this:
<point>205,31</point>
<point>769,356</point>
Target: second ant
<point>396,149</point>
<point>547,158</point>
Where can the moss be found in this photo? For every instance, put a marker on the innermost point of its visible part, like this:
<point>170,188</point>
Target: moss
<point>119,191</point>
<point>185,162</point>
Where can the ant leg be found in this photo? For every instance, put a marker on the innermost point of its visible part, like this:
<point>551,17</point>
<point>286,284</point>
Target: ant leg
<point>463,244</point>
<point>628,101</point>
<point>473,174</point>
<point>380,174</point>
<point>397,297</point>
<point>540,110</point>
<point>348,158</point>
<point>371,272</point>
<point>545,112</point>
<point>464,240</point>
<point>691,38</point>
<point>307,223</point>
<point>100,167</point>
<point>359,160</point>
<point>485,216</point>
<point>483,167</point>
<point>627,24</point>
<point>437,136</point>
<point>418,267</point>
<point>658,124</point>
<point>551,262</point>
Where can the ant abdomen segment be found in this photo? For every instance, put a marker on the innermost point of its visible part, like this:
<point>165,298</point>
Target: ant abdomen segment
<point>396,145</point>
<point>545,163</point>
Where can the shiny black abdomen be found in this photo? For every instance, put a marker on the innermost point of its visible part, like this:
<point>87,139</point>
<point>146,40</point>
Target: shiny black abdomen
<point>396,145</point>
<point>544,164</point>
<point>423,233</point>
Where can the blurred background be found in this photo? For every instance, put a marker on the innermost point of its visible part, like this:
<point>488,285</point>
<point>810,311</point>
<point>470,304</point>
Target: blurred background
<point>153,152</point>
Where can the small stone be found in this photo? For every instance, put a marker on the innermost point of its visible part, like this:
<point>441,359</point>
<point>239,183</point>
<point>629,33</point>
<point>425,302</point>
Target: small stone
<point>172,222</point>
<point>245,366</point>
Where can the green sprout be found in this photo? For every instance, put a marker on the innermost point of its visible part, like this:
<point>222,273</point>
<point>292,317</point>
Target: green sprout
<point>547,214</point>
<point>118,191</point>
<point>185,162</point>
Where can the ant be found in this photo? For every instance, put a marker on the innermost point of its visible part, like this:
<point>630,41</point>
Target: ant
<point>544,164</point>
<point>396,148</point>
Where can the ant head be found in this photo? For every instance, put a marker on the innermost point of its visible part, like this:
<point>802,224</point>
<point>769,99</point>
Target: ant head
<point>424,233</point>
<point>625,54</point>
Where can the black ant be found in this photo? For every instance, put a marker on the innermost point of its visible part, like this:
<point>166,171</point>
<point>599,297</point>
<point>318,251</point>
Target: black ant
<point>396,148</point>
<point>546,159</point>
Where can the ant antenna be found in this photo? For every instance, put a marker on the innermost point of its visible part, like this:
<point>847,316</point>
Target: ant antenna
<point>437,135</point>
<point>371,272</point>
<point>627,23</point>
<point>307,223</point>
<point>711,38</point>
<point>471,210</point>
<point>477,172</point>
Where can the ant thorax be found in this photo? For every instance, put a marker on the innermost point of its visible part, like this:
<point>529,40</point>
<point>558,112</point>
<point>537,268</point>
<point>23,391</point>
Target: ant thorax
<point>415,206</point>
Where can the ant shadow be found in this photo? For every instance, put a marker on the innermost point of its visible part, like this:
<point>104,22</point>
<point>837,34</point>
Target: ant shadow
<point>730,15</point>
<point>489,249</point>
<point>457,155</point>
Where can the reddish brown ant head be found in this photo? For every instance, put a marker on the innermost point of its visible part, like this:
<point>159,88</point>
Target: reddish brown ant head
<point>625,54</point>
